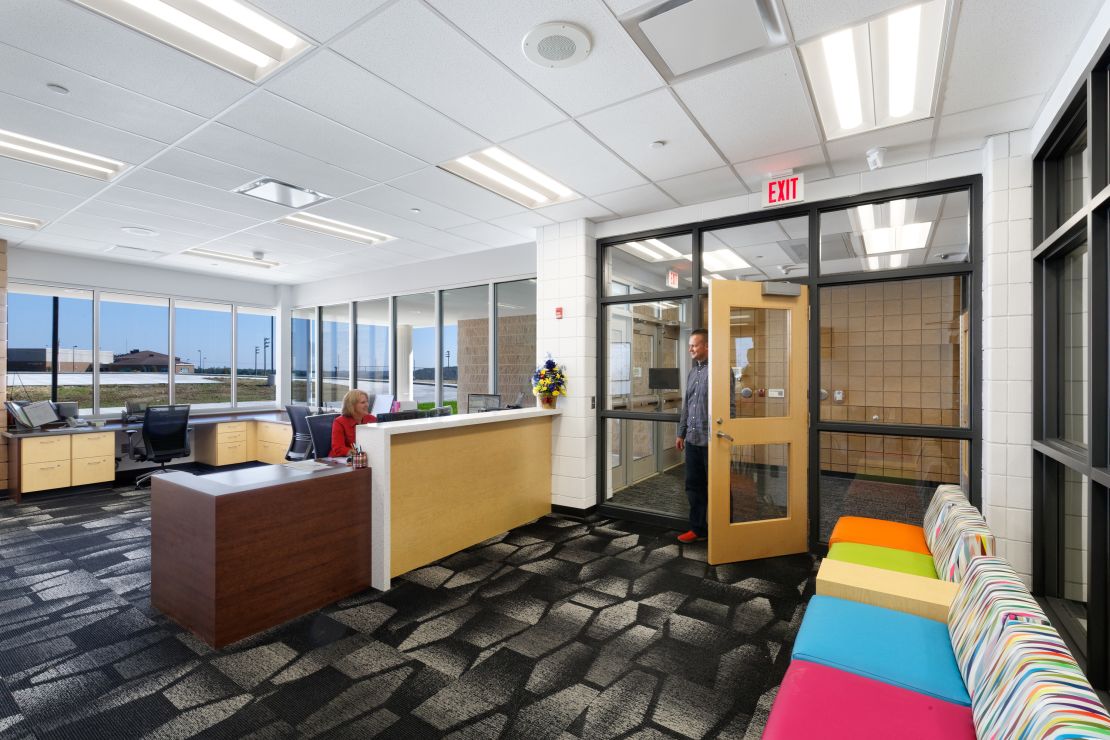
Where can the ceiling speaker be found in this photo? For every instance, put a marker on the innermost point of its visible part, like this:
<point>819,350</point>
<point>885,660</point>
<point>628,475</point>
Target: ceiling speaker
<point>556,44</point>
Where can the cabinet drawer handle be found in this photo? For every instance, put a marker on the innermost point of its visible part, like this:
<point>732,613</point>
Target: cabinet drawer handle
<point>95,462</point>
<point>50,467</point>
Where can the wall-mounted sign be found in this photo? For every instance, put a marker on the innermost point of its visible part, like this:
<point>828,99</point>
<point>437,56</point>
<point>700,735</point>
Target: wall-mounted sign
<point>782,190</point>
<point>558,312</point>
<point>672,279</point>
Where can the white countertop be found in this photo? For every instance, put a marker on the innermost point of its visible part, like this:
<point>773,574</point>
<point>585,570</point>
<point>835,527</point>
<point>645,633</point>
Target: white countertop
<point>457,420</point>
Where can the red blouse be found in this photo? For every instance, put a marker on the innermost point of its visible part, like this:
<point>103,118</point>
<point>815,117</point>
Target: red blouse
<point>343,433</point>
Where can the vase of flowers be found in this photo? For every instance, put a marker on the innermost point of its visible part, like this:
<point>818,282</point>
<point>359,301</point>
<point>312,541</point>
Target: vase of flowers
<point>548,383</point>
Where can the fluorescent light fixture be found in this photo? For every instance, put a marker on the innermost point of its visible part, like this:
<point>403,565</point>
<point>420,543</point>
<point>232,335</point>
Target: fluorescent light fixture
<point>666,249</point>
<point>723,260</point>
<point>238,259</point>
<point>282,193</point>
<point>714,276</point>
<point>225,33</point>
<point>643,250</point>
<point>496,170</point>
<point>879,73</point>
<point>19,222</point>
<point>888,262</point>
<point>47,154</point>
<point>897,238</point>
<point>331,227</point>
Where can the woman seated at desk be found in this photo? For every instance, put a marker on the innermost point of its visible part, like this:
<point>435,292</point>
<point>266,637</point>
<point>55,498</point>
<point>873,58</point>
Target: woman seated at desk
<point>356,410</point>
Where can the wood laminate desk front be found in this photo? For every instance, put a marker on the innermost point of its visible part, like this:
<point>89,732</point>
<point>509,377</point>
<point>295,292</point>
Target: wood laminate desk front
<point>446,483</point>
<point>236,553</point>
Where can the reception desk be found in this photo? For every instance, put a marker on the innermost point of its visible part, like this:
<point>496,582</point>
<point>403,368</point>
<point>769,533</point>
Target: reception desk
<point>443,484</point>
<point>238,552</point>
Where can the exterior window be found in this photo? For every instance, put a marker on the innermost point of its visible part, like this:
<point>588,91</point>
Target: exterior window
<point>416,348</point>
<point>254,380</point>
<point>516,339</point>
<point>31,348</point>
<point>465,344</point>
<point>303,356</point>
<point>135,331</point>
<point>372,342</point>
<point>335,348</point>
<point>202,339</point>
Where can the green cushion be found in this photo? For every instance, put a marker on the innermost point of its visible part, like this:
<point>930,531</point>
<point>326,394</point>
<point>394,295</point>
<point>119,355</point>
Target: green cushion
<point>886,558</point>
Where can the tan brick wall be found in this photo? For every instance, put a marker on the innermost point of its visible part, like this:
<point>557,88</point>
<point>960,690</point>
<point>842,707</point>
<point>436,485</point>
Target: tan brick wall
<point>516,357</point>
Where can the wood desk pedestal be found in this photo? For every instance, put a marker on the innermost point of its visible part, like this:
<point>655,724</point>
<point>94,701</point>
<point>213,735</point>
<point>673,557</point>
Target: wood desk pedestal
<point>239,552</point>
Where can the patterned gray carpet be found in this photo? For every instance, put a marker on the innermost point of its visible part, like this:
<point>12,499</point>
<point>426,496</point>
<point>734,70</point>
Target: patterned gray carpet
<point>560,629</point>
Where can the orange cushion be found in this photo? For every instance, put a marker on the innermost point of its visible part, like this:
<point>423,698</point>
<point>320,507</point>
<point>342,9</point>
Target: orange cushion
<point>880,532</point>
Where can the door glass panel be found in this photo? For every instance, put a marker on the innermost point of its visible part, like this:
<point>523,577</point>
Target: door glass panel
<point>645,470</point>
<point>1072,310</point>
<point>896,352</point>
<point>645,356</point>
<point>759,359</point>
<point>884,476</point>
<point>758,482</point>
<point>771,250</point>
<point>649,265</point>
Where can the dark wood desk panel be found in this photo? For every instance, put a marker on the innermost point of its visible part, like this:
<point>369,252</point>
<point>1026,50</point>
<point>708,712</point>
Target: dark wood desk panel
<point>233,558</point>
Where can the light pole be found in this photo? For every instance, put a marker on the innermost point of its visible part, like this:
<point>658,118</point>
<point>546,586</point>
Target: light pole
<point>265,351</point>
<point>73,359</point>
<point>199,358</point>
<point>256,359</point>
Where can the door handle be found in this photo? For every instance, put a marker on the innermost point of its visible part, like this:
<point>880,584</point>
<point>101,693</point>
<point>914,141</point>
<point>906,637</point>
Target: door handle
<point>722,435</point>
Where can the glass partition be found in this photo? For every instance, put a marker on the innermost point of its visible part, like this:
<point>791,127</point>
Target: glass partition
<point>135,330</point>
<point>770,250</point>
<point>303,356</point>
<point>372,345</point>
<point>465,344</point>
<point>335,333</point>
<point>1072,315</point>
<point>254,377</point>
<point>31,349</point>
<point>416,347</point>
<point>202,343</point>
<point>649,265</point>
<point>516,340</point>
<point>645,355</point>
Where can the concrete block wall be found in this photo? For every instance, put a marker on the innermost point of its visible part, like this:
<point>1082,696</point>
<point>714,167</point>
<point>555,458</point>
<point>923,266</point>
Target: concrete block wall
<point>566,278</point>
<point>1008,346</point>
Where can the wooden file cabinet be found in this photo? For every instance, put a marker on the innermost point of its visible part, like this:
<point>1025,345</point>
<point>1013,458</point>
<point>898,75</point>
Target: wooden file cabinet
<point>271,441</point>
<point>45,463</point>
<point>222,444</point>
<point>93,458</point>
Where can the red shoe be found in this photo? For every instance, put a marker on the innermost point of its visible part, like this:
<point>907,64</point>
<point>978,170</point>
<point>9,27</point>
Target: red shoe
<point>690,536</point>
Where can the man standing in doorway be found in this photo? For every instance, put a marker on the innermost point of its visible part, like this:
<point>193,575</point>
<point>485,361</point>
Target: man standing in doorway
<point>693,434</point>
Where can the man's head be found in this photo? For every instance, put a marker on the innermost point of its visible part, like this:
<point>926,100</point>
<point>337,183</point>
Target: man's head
<point>699,345</point>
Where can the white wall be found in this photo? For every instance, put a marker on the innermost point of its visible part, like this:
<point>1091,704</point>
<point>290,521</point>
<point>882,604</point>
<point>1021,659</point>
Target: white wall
<point>61,269</point>
<point>507,263</point>
<point>1007,347</point>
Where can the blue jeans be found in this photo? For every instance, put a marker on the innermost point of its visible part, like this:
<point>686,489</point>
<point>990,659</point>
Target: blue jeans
<point>697,486</point>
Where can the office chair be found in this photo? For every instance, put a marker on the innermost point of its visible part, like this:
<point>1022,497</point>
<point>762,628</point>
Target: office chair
<point>165,435</point>
<point>319,426</point>
<point>300,446</point>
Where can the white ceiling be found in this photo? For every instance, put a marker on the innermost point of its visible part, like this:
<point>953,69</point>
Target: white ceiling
<point>392,88</point>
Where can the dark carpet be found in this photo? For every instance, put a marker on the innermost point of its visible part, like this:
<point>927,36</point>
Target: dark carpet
<point>558,629</point>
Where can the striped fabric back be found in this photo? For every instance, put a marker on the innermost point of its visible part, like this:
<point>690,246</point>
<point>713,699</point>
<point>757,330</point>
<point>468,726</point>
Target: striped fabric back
<point>963,535</point>
<point>945,497</point>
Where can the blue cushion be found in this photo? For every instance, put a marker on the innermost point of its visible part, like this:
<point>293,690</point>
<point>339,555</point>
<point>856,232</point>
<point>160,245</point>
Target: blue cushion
<point>886,645</point>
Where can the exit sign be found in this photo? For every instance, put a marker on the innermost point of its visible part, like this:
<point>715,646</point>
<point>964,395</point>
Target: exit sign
<point>779,191</point>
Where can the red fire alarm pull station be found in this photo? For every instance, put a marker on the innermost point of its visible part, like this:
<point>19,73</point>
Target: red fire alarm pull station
<point>558,312</point>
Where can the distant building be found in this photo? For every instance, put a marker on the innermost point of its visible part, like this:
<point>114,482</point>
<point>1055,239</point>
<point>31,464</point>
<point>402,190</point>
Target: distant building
<point>70,359</point>
<point>145,361</point>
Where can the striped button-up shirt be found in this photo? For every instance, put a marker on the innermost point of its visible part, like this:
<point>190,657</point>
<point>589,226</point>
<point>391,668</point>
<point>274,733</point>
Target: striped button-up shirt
<point>693,423</point>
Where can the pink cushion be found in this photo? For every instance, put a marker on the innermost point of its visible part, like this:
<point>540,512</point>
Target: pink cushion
<point>817,701</point>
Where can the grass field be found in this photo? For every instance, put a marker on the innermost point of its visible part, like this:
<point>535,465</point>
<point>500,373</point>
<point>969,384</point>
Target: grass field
<point>113,396</point>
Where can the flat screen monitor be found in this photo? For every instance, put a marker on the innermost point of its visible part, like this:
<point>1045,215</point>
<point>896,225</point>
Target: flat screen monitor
<point>476,402</point>
<point>663,379</point>
<point>383,402</point>
<point>66,409</point>
<point>17,413</point>
<point>40,412</point>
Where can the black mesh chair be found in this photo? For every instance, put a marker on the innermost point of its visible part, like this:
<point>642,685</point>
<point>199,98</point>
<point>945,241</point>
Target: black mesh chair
<point>300,446</point>
<point>165,435</point>
<point>442,410</point>
<point>319,427</point>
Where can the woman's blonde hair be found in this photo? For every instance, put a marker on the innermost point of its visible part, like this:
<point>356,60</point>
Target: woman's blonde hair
<point>351,399</point>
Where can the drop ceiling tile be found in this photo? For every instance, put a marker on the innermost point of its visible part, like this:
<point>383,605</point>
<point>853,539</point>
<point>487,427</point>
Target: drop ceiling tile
<point>810,160</point>
<point>961,132</point>
<point>908,142</point>
<point>299,237</point>
<point>454,192</point>
<point>52,199</point>
<point>399,203</point>
<point>207,265</point>
<point>131,216</point>
<point>614,70</point>
<point>57,243</point>
<point>989,66</point>
<point>251,153</point>
<point>575,209</point>
<point>637,200</point>
<point>808,19</point>
<point>630,127</point>
<point>401,228</point>
<point>723,29</point>
<point>14,171</point>
<point>753,107</point>
<point>410,46</point>
<point>290,252</point>
<point>319,21</point>
<point>48,124</point>
<point>701,187</point>
<point>488,234</point>
<point>27,75</point>
<point>164,206</point>
<point>574,158</point>
<point>289,125</point>
<point>335,87</point>
<point>78,38</point>
<point>81,225</point>
<point>16,237</point>
<point>20,206</point>
<point>200,169</point>
<point>524,224</point>
<point>625,7</point>
<point>188,191</point>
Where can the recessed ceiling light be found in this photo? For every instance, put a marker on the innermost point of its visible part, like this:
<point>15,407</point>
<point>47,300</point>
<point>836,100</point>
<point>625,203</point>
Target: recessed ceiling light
<point>897,238</point>
<point>331,227</point>
<point>230,257</point>
<point>139,231</point>
<point>878,73</point>
<point>54,87</point>
<point>658,144</point>
<point>226,33</point>
<point>496,170</point>
<point>281,193</point>
<point>414,210</point>
<point>47,154</point>
<point>19,222</point>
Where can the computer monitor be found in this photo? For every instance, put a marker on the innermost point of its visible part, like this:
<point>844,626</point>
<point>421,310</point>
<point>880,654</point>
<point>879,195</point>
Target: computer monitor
<point>663,379</point>
<point>476,402</point>
<point>383,402</point>
<point>40,413</point>
<point>66,409</point>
